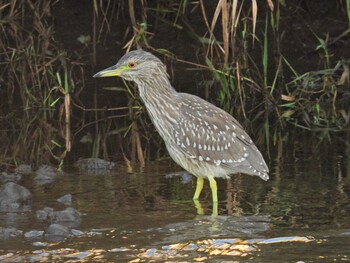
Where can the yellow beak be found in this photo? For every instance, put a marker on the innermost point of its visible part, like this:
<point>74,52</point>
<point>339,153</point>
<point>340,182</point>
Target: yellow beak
<point>110,72</point>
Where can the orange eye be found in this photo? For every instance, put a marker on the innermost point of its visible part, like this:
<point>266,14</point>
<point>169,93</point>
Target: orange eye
<point>132,64</point>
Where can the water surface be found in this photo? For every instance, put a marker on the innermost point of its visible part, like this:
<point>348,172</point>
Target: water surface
<point>301,214</point>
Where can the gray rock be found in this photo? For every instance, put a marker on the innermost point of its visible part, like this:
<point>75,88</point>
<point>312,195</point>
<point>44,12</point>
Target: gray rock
<point>56,232</point>
<point>14,197</point>
<point>68,217</point>
<point>5,177</point>
<point>6,233</point>
<point>77,232</point>
<point>94,164</point>
<point>44,214</point>
<point>34,234</point>
<point>185,176</point>
<point>45,174</point>
<point>66,199</point>
<point>24,169</point>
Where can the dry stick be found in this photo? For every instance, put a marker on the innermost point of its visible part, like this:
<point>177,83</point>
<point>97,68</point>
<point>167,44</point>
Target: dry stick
<point>136,142</point>
<point>133,142</point>
<point>212,37</point>
<point>139,147</point>
<point>136,148</point>
<point>68,130</point>
<point>234,22</point>
<point>205,17</point>
<point>238,73</point>
<point>94,36</point>
<point>133,19</point>
<point>225,32</point>
<point>213,22</point>
<point>254,14</point>
<point>104,109</point>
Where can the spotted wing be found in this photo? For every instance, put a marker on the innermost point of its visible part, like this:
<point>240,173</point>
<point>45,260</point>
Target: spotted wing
<point>209,134</point>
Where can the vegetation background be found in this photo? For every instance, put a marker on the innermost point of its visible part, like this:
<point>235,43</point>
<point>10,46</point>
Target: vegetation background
<point>280,67</point>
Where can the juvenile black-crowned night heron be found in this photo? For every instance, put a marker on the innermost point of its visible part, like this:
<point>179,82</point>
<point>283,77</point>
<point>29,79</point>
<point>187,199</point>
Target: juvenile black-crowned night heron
<point>202,138</point>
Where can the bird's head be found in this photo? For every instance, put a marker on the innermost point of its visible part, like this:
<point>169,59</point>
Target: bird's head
<point>137,65</point>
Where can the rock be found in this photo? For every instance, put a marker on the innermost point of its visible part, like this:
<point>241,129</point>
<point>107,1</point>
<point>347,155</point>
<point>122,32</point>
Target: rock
<point>45,174</point>
<point>6,233</point>
<point>14,197</point>
<point>66,199</point>
<point>77,232</point>
<point>56,232</point>
<point>185,176</point>
<point>34,234</point>
<point>24,169</point>
<point>94,164</point>
<point>68,217</point>
<point>44,214</point>
<point>5,177</point>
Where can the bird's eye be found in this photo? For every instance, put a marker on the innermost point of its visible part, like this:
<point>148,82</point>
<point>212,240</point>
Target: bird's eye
<point>132,64</point>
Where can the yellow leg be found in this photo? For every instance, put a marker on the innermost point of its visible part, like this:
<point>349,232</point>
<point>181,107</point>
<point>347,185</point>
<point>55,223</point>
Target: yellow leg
<point>215,209</point>
<point>214,189</point>
<point>199,207</point>
<point>199,188</point>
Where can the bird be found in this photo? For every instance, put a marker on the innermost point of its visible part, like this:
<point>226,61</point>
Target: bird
<point>202,138</point>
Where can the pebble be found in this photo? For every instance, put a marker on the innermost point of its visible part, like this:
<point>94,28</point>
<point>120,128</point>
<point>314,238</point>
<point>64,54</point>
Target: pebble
<point>66,199</point>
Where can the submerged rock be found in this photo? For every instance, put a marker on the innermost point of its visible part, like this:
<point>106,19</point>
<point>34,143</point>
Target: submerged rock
<point>66,199</point>
<point>185,176</point>
<point>8,232</point>
<point>44,214</point>
<point>94,164</point>
<point>68,217</point>
<point>56,232</point>
<point>14,197</point>
<point>34,234</point>
<point>45,174</point>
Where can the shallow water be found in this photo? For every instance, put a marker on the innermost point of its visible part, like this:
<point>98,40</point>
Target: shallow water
<point>301,214</point>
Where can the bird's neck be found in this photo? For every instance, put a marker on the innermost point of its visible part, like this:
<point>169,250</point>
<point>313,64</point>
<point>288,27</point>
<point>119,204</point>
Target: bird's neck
<point>161,101</point>
<point>156,89</point>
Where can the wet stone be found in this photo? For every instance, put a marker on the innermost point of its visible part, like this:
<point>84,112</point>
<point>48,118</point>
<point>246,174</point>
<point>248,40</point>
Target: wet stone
<point>34,234</point>
<point>9,232</point>
<point>45,174</point>
<point>66,199</point>
<point>5,177</point>
<point>24,169</point>
<point>185,176</point>
<point>56,232</point>
<point>44,214</point>
<point>94,164</point>
<point>40,244</point>
<point>76,232</point>
<point>68,217</point>
<point>14,197</point>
